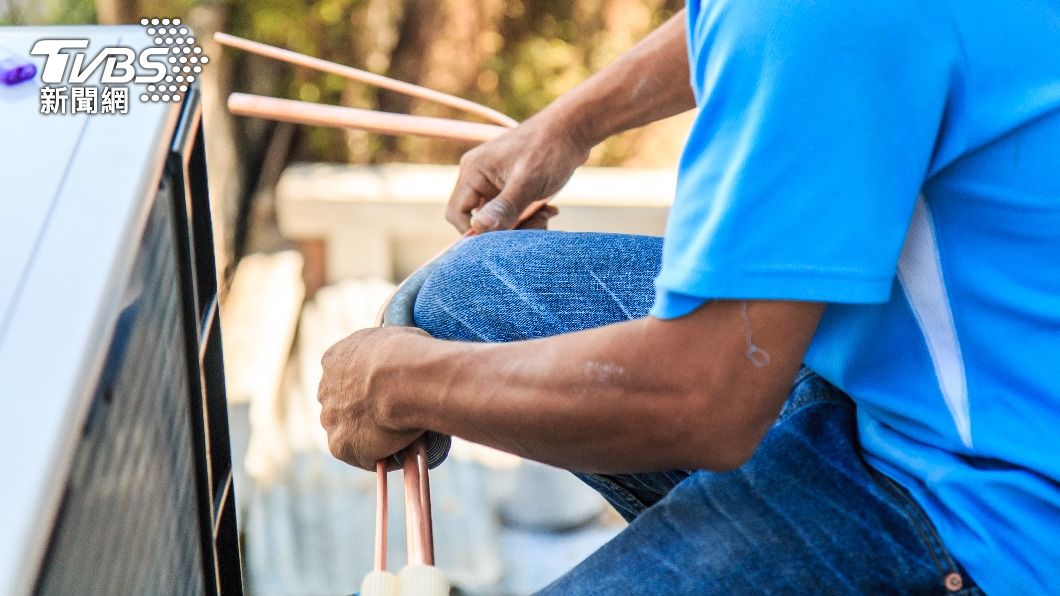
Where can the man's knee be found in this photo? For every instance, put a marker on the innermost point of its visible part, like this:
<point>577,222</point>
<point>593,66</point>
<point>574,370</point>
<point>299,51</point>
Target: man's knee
<point>459,298</point>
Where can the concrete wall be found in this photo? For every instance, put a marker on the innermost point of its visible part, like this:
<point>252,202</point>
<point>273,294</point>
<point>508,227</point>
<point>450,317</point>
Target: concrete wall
<point>387,220</point>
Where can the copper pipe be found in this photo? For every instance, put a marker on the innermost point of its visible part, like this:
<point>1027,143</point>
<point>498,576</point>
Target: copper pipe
<point>427,525</point>
<point>303,112</point>
<point>363,76</point>
<point>413,506</point>
<point>380,515</point>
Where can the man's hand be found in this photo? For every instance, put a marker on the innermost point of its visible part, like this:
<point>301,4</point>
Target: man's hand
<point>360,373</point>
<point>502,177</point>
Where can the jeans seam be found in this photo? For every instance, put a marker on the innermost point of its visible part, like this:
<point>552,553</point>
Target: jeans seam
<point>929,536</point>
<point>653,489</point>
<point>803,374</point>
<point>677,476</point>
<point>632,501</point>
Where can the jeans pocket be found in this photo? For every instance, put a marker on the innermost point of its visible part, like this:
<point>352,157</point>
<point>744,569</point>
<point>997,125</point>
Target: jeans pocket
<point>955,580</point>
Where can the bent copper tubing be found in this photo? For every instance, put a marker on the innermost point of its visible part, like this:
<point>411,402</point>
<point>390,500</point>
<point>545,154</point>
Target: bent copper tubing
<point>415,522</point>
<point>427,523</point>
<point>363,76</point>
<point>431,448</point>
<point>304,112</point>
<point>380,515</point>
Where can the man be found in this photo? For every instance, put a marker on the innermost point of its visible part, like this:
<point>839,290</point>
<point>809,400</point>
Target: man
<point>869,188</point>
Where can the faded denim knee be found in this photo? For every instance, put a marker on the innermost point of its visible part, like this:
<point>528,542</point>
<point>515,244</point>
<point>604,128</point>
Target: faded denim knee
<point>507,286</point>
<point>461,299</point>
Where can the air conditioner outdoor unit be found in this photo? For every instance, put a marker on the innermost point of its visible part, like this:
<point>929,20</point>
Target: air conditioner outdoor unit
<point>114,443</point>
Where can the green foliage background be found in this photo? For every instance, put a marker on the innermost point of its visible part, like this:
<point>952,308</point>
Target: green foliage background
<point>515,56</point>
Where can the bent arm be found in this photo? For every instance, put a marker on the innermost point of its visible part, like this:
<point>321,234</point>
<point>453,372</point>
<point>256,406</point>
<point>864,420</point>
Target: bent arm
<point>642,395</point>
<point>501,179</point>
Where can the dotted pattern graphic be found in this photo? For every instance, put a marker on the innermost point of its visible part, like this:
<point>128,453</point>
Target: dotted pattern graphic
<point>185,60</point>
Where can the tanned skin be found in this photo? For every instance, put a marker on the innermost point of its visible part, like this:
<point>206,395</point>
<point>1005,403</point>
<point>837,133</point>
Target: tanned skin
<point>636,396</point>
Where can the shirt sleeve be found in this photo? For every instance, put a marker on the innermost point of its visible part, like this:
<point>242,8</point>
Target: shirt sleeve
<point>816,127</point>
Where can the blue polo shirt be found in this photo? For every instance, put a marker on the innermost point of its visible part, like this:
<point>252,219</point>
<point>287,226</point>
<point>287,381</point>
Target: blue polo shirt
<point>899,161</point>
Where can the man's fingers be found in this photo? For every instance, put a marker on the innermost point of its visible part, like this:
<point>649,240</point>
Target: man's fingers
<point>498,214</point>
<point>458,211</point>
<point>473,188</point>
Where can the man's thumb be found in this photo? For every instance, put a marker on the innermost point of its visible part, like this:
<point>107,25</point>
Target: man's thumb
<point>498,214</point>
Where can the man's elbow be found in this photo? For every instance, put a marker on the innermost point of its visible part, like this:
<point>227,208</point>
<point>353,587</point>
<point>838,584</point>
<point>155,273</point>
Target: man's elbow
<point>723,436</point>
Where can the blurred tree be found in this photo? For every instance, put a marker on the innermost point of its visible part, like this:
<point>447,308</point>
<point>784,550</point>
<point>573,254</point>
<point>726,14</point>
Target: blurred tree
<point>117,11</point>
<point>513,55</point>
<point>40,12</point>
<point>416,31</point>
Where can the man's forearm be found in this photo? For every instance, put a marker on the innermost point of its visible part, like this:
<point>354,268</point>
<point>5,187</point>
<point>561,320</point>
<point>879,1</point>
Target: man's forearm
<point>647,83</point>
<point>642,395</point>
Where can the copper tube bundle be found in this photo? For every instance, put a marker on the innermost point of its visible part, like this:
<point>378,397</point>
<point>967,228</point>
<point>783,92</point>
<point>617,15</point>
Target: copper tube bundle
<point>419,577</point>
<point>303,112</point>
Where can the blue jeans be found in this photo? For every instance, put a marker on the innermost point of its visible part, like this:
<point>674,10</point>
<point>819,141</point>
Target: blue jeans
<point>805,515</point>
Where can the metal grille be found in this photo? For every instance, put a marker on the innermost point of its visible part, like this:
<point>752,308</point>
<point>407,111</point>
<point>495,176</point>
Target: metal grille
<point>129,521</point>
